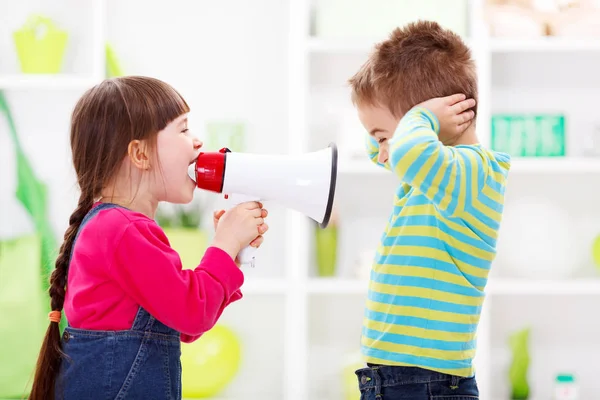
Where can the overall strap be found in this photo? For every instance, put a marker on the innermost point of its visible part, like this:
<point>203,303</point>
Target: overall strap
<point>91,214</point>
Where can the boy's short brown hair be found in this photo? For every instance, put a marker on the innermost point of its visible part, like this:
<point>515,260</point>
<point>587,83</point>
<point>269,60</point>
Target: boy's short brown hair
<point>418,62</point>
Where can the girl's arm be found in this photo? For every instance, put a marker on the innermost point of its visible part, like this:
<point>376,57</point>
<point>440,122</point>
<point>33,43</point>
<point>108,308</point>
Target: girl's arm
<point>189,301</point>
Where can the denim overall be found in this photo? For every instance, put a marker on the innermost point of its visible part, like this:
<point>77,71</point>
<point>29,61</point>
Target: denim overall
<point>140,363</point>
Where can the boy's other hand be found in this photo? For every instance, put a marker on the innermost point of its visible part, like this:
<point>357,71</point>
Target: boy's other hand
<point>453,113</point>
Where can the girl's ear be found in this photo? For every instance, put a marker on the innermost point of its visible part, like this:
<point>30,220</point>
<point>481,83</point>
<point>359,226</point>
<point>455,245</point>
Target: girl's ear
<point>139,154</point>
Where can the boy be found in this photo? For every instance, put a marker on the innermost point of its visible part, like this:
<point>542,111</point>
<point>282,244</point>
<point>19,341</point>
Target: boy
<point>416,96</point>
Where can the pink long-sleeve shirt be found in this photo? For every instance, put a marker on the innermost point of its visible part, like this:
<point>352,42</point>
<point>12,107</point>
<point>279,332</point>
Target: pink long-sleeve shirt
<point>122,260</point>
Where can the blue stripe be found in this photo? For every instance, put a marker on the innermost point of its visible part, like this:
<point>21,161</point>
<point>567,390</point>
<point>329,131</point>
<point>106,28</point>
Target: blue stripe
<point>417,322</point>
<point>420,302</point>
<point>417,165</point>
<point>495,185</point>
<point>433,221</point>
<point>435,243</point>
<point>426,283</point>
<point>492,204</point>
<point>426,262</point>
<point>430,177</point>
<point>418,200</point>
<point>419,342</point>
<point>419,361</point>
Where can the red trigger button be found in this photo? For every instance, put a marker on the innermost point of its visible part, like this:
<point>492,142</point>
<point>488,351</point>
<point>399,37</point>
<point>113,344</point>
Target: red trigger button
<point>224,150</point>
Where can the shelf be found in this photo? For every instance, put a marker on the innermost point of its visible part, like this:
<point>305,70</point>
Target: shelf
<point>542,165</point>
<point>555,165</point>
<point>57,82</point>
<point>363,166</point>
<point>548,44</point>
<point>543,287</point>
<point>495,287</point>
<point>264,286</point>
<point>337,286</point>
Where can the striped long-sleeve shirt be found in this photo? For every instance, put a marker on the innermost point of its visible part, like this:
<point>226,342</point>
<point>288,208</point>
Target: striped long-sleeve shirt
<point>427,282</point>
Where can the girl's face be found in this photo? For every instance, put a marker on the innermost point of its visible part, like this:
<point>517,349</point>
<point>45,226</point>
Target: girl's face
<point>176,150</point>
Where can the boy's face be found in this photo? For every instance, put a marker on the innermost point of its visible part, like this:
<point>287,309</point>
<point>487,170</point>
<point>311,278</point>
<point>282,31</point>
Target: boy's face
<point>381,124</point>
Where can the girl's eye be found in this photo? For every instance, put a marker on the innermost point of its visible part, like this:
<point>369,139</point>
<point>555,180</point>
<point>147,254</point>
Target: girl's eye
<point>382,140</point>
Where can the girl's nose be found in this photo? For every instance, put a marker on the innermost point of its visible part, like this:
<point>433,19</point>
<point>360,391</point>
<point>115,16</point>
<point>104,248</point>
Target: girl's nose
<point>197,144</point>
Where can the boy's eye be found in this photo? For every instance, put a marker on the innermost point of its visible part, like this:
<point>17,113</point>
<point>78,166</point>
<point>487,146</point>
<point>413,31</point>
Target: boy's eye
<point>185,130</point>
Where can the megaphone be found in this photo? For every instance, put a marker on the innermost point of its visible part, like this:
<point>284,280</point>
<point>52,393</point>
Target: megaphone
<point>305,183</point>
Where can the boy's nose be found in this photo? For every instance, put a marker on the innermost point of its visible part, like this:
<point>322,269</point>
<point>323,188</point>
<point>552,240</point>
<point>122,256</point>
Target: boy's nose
<point>383,157</point>
<point>197,144</point>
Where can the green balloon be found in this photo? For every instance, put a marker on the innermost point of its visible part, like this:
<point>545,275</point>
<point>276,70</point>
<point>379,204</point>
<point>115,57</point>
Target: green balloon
<point>210,363</point>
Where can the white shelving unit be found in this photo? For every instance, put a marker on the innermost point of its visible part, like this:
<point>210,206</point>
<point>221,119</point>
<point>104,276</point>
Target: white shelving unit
<point>323,71</point>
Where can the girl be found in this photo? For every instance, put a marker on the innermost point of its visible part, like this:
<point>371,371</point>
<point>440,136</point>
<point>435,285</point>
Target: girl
<point>128,302</point>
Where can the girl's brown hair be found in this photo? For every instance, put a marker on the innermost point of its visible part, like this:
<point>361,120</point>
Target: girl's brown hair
<point>105,120</point>
<point>418,62</point>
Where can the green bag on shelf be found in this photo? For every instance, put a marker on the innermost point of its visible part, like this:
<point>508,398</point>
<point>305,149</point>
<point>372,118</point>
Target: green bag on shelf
<point>23,306</point>
<point>529,135</point>
<point>40,46</point>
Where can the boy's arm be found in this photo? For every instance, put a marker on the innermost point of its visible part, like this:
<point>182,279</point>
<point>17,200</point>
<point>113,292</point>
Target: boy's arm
<point>448,176</point>
<point>373,151</point>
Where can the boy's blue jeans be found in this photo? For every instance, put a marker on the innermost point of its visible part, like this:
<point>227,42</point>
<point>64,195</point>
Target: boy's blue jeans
<point>378,382</point>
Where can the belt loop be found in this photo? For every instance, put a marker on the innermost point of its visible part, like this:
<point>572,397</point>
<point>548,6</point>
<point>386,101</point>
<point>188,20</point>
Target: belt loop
<point>378,395</point>
<point>454,382</point>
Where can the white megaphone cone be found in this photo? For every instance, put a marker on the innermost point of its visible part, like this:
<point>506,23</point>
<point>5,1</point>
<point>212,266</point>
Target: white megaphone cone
<point>305,183</point>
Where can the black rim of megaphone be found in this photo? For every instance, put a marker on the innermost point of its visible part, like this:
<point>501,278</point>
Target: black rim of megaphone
<point>332,182</point>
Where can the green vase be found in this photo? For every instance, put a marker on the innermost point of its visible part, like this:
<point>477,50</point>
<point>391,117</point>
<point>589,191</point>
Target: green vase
<point>519,344</point>
<point>326,250</point>
<point>190,243</point>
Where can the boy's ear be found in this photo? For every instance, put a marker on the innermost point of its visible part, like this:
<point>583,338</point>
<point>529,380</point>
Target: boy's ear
<point>138,152</point>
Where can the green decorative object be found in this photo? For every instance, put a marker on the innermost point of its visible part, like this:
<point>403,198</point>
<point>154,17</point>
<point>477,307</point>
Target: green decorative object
<point>210,363</point>
<point>24,309</point>
<point>226,134</point>
<point>113,67</point>
<point>596,251</point>
<point>519,344</point>
<point>31,192</point>
<point>326,249</point>
<point>349,378</point>
<point>40,46</point>
<point>181,225</point>
<point>529,135</point>
<point>190,243</point>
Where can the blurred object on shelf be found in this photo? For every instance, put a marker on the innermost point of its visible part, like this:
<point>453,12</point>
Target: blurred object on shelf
<point>591,142</point>
<point>40,46</point>
<point>113,66</point>
<point>210,363</point>
<point>352,363</point>
<point>326,247</point>
<point>519,346</point>
<point>230,134</point>
<point>529,135</point>
<point>377,18</point>
<point>182,226</point>
<point>565,387</point>
<point>535,18</point>
<point>364,262</point>
<point>538,240</point>
<point>596,251</point>
<point>513,20</point>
